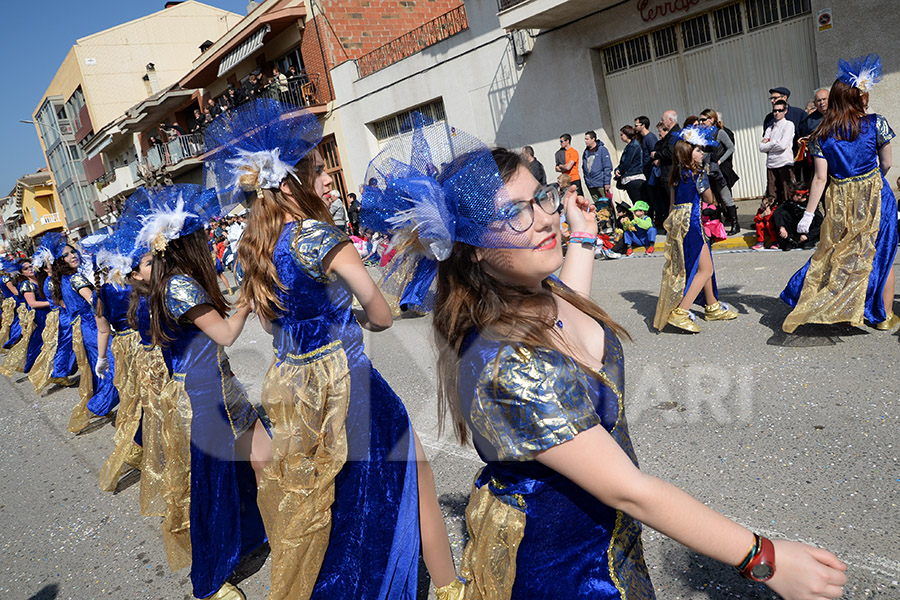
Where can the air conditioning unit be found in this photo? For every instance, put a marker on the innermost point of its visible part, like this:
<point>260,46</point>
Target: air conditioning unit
<point>523,42</point>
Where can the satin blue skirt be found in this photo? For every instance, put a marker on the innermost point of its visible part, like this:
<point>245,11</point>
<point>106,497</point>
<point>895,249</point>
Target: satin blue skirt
<point>64,363</point>
<point>106,396</point>
<point>37,338</point>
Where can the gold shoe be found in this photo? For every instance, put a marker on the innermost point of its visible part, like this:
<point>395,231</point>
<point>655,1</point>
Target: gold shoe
<point>227,592</point>
<point>683,319</point>
<point>719,312</point>
<point>135,457</point>
<point>454,590</point>
<point>889,323</point>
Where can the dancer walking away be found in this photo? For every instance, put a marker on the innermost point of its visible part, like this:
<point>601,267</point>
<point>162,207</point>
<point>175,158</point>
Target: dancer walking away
<point>689,267</point>
<point>344,503</point>
<point>850,277</point>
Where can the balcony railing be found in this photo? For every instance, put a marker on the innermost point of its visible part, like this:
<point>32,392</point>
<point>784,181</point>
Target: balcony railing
<point>429,34</point>
<point>175,151</point>
<point>504,4</point>
<point>51,218</point>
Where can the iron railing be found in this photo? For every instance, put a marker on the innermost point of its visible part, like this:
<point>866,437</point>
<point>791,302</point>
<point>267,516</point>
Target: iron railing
<point>504,4</point>
<point>429,34</point>
<point>175,151</point>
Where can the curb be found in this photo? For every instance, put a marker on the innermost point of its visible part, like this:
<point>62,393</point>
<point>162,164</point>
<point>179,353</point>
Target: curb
<point>738,242</point>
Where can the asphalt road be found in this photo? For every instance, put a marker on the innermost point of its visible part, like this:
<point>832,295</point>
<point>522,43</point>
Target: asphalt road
<point>794,436</point>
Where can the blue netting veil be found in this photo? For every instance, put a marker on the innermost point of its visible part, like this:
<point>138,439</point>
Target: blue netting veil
<point>154,217</point>
<point>435,187</point>
<point>255,146</point>
<point>862,72</point>
<point>50,247</point>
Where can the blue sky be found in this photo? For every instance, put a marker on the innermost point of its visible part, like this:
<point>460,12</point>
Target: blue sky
<point>33,46</point>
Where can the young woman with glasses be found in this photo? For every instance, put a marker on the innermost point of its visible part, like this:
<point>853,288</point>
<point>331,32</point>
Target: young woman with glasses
<point>32,316</point>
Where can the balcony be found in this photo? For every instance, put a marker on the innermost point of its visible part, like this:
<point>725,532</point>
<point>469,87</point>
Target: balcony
<point>46,223</point>
<point>119,181</point>
<point>429,34</point>
<point>545,14</point>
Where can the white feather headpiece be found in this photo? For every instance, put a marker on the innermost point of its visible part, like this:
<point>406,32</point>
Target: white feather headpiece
<point>42,256</point>
<point>426,220</point>
<point>259,170</point>
<point>162,226</point>
<point>113,261</point>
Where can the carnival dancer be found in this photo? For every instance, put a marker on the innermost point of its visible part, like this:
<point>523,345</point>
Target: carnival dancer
<point>689,267</point>
<point>10,329</point>
<point>212,519</point>
<point>73,290</point>
<point>344,502</point>
<point>535,371</point>
<point>112,301</point>
<point>850,276</point>
<point>32,316</point>
<point>56,361</point>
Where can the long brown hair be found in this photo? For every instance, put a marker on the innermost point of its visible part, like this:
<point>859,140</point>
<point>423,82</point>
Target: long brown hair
<point>188,255</point>
<point>708,112</point>
<point>846,108</point>
<point>469,299</point>
<point>683,159</point>
<point>59,270</point>
<point>140,288</point>
<point>256,250</point>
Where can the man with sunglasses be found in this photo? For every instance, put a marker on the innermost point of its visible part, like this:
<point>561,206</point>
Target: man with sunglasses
<point>777,143</point>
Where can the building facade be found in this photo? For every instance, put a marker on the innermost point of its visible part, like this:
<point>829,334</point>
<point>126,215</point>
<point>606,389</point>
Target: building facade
<point>103,75</point>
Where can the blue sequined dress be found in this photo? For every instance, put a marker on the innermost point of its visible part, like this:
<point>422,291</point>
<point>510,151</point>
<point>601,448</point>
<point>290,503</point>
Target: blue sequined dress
<point>40,318</point>
<point>64,360</point>
<point>685,240</point>
<point>534,534</point>
<point>101,396</point>
<point>11,304</point>
<point>212,518</point>
<point>844,279</point>
<point>357,517</point>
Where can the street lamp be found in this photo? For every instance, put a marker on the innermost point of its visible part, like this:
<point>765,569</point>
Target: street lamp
<point>71,162</point>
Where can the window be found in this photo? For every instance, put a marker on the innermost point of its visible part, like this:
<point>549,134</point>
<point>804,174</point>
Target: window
<point>402,122</point>
<point>291,59</point>
<point>638,50</point>
<point>665,42</point>
<point>615,58</point>
<point>695,32</point>
<point>762,12</point>
<point>74,106</point>
<point>728,22</point>
<point>793,8</point>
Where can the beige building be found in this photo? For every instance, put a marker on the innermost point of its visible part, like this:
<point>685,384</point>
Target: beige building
<point>103,75</point>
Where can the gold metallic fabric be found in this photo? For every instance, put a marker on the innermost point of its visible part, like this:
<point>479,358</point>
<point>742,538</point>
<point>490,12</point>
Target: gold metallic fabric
<point>15,360</point>
<point>42,369</point>
<point>80,414</point>
<point>396,277</point>
<point>495,533</point>
<point>125,349</point>
<point>175,406</point>
<point>671,290</point>
<point>153,376</point>
<point>306,398</point>
<point>8,313</point>
<point>834,290</point>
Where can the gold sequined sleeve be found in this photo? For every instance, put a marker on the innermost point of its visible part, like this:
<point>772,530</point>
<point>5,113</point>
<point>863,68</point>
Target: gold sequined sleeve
<point>885,134</point>
<point>702,182</point>
<point>815,148</point>
<point>79,281</point>
<point>311,242</point>
<point>183,294</point>
<point>538,399</point>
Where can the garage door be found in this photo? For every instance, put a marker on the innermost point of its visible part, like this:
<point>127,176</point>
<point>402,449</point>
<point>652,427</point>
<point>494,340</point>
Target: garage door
<point>726,60</point>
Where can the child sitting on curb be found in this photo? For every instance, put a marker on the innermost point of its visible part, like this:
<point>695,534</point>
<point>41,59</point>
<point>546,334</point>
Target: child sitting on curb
<point>712,224</point>
<point>639,229</point>
<point>765,224</point>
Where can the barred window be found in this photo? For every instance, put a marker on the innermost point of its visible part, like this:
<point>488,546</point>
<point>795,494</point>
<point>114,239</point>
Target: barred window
<point>638,50</point>
<point>794,8</point>
<point>762,12</point>
<point>665,42</point>
<point>401,123</point>
<point>695,32</point>
<point>727,21</point>
<point>615,58</point>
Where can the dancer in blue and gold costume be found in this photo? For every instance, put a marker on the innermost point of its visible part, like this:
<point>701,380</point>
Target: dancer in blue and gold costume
<point>850,277</point>
<point>10,329</point>
<point>343,502</point>
<point>534,370</point>
<point>32,317</point>
<point>689,269</point>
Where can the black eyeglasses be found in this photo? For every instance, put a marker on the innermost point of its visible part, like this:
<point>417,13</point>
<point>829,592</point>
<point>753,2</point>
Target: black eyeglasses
<point>520,215</point>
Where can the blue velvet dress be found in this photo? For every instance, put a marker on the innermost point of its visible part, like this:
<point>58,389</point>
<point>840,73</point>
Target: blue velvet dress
<point>222,518</point>
<point>535,534</point>
<point>844,279</point>
<point>64,360</point>
<point>40,318</point>
<point>371,500</point>
<point>684,243</point>
<point>15,329</point>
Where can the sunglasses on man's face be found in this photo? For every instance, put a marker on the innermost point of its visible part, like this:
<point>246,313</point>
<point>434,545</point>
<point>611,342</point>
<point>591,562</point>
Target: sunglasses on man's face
<point>779,110</point>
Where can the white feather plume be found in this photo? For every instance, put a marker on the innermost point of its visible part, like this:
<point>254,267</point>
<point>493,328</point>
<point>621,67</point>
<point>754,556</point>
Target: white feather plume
<point>267,164</point>
<point>41,257</point>
<point>162,226</point>
<point>113,261</point>
<point>426,220</point>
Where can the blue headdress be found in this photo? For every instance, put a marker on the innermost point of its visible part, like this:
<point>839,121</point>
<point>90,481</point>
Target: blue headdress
<point>437,187</point>
<point>50,247</point>
<point>153,218</point>
<point>255,147</point>
<point>8,265</point>
<point>698,136</point>
<point>862,72</point>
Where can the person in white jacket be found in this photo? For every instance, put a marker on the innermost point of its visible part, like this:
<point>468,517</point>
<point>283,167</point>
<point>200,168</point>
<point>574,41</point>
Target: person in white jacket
<point>777,143</point>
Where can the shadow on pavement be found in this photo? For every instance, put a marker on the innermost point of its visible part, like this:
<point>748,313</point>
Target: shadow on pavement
<point>715,580</point>
<point>250,564</point>
<point>130,478</point>
<point>48,592</point>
